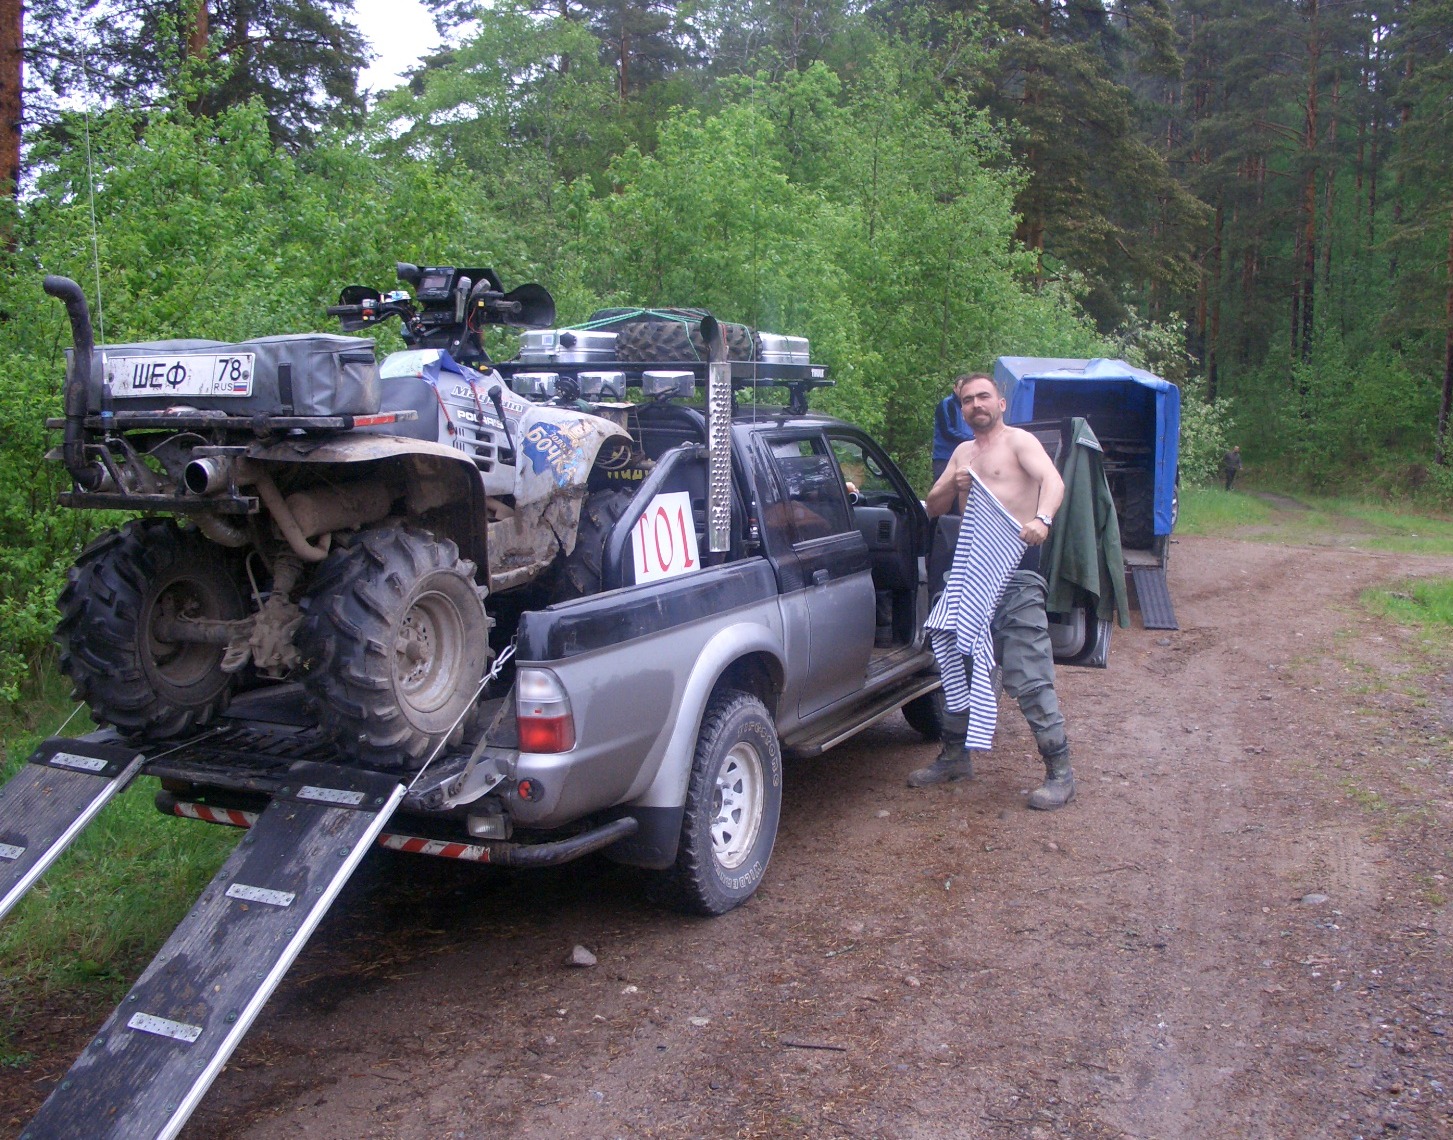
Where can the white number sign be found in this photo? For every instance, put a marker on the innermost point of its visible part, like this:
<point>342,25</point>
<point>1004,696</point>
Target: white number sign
<point>664,540</point>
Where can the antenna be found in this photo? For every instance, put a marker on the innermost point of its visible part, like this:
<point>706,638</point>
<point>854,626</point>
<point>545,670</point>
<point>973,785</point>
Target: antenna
<point>91,186</point>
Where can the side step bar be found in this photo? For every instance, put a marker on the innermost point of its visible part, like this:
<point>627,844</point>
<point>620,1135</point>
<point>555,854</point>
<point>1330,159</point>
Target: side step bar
<point>145,1072</point>
<point>49,802</point>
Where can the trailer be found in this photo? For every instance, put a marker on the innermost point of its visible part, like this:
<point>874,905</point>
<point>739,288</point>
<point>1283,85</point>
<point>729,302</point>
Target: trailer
<point>1136,416</point>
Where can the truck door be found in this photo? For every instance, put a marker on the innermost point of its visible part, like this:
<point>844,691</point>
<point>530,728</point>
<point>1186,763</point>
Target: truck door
<point>823,568</point>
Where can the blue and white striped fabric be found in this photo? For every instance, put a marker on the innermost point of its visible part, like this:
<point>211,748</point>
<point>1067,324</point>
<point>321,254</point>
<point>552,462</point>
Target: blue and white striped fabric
<point>988,550</point>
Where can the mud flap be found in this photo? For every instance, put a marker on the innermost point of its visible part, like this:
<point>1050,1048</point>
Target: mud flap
<point>1153,596</point>
<point>146,1071</point>
<point>50,801</point>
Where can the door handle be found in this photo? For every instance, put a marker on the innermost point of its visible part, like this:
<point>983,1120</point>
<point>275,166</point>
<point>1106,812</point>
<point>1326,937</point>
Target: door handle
<point>820,577</point>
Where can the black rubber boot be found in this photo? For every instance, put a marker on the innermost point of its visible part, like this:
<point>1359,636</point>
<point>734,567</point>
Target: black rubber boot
<point>954,762</point>
<point>1059,783</point>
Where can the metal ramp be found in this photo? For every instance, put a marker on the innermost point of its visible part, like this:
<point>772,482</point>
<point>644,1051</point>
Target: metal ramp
<point>151,1063</point>
<point>1153,595</point>
<point>49,802</point>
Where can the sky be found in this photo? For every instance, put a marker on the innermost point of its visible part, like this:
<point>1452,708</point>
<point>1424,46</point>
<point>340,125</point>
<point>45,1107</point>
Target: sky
<point>400,31</point>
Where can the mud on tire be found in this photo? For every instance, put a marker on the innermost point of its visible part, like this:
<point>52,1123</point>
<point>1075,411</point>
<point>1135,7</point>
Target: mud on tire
<point>394,643</point>
<point>733,803</point>
<point>581,572</point>
<point>122,585</point>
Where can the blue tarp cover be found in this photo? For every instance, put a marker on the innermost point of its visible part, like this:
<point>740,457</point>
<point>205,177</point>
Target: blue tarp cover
<point>1110,387</point>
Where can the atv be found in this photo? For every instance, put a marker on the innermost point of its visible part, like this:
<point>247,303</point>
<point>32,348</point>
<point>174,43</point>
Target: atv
<point>312,517</point>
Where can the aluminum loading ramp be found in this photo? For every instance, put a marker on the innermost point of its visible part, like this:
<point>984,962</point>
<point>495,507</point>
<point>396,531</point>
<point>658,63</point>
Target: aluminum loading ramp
<point>146,1071</point>
<point>49,802</point>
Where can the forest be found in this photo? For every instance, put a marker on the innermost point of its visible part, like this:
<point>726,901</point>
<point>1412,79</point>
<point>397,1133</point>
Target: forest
<point>1249,197</point>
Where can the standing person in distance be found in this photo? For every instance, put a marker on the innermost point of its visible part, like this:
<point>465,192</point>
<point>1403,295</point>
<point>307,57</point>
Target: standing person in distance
<point>1231,462</point>
<point>949,428</point>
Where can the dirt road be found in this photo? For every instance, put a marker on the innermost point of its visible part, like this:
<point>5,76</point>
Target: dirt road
<point>1239,929</point>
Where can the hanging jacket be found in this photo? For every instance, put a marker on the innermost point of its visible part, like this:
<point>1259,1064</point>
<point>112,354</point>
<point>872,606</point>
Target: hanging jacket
<point>1082,555</point>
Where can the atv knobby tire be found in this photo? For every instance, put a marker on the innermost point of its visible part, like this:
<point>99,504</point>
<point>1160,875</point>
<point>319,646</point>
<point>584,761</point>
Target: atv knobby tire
<point>667,339</point>
<point>394,644</point>
<point>1137,520</point>
<point>122,585</point>
<point>581,572</point>
<point>925,715</point>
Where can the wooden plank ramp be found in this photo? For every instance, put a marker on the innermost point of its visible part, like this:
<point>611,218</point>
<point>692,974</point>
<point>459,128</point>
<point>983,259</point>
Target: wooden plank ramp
<point>145,1072</point>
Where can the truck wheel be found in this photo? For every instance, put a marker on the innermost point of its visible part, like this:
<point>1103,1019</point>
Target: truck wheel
<point>123,585</point>
<point>1137,523</point>
<point>580,574</point>
<point>394,644</point>
<point>732,807</point>
<point>925,715</point>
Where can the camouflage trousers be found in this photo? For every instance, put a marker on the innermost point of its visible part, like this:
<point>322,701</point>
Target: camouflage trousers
<point>1020,628</point>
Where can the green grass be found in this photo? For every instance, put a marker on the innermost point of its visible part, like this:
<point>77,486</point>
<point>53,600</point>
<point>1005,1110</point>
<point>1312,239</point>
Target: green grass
<point>1209,511</point>
<point>1426,604</point>
<point>101,912</point>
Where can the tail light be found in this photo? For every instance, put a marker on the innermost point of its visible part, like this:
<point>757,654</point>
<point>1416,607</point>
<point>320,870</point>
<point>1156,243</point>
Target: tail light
<point>546,724</point>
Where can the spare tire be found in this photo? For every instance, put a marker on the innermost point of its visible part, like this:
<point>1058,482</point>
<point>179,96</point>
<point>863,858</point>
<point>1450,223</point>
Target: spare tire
<point>672,335</point>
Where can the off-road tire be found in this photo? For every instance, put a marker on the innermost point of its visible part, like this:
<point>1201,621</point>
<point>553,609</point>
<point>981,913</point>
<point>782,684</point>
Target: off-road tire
<point>733,804</point>
<point>1137,520</point>
<point>580,572</point>
<point>394,644</point>
<point>925,715</point>
<point>121,584</point>
<point>662,339</point>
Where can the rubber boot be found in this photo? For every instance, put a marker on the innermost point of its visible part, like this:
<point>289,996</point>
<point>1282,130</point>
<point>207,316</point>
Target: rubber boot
<point>954,762</point>
<point>1059,783</point>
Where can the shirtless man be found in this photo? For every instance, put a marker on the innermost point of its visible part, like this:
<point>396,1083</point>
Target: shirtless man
<point>1013,465</point>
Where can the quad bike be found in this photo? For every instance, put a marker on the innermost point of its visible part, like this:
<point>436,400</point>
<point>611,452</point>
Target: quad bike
<point>314,517</point>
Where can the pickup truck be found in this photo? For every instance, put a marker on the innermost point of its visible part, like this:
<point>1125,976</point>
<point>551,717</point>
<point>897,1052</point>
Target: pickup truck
<point>649,719</point>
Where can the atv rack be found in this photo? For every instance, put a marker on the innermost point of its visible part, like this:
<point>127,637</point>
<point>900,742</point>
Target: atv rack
<point>798,379</point>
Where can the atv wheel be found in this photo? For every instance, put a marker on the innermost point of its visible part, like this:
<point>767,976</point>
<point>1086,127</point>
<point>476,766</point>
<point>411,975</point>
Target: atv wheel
<point>732,807</point>
<point>665,339</point>
<point>1137,521</point>
<point>394,645</point>
<point>581,572</point>
<point>124,585</point>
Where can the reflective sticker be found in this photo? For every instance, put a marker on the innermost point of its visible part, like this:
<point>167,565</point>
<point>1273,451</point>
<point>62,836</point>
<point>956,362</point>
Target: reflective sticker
<point>164,1027</point>
<point>10,851</point>
<point>331,795</point>
<point>81,763</point>
<point>260,894</point>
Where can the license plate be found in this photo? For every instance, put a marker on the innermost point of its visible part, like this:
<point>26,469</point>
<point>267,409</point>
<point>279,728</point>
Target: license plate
<point>195,374</point>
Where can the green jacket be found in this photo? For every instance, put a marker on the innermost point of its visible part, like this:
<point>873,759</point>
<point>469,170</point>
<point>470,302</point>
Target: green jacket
<point>1083,556</point>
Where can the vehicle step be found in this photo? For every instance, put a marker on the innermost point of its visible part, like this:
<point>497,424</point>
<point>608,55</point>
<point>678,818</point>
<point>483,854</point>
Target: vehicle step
<point>838,729</point>
<point>1152,593</point>
<point>155,1057</point>
<point>49,802</point>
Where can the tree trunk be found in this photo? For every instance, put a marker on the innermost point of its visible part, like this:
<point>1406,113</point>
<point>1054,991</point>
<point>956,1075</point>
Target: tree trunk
<point>1445,406</point>
<point>12,73</point>
<point>1307,286</point>
<point>1213,333</point>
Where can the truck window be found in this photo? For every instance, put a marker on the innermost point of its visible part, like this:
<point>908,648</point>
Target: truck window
<point>816,505</point>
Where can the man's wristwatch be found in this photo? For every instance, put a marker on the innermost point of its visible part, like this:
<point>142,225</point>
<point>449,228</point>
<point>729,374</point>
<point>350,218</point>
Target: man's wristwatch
<point>1048,520</point>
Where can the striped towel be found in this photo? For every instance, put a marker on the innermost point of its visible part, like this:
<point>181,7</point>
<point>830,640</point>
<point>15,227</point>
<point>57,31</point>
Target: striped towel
<point>988,550</point>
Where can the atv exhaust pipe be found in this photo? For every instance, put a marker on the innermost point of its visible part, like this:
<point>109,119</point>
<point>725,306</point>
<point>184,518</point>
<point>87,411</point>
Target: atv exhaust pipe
<point>88,476</point>
<point>207,476</point>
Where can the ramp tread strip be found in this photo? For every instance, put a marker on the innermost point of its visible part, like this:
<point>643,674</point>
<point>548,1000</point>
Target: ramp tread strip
<point>146,1070</point>
<point>1153,593</point>
<point>49,802</point>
